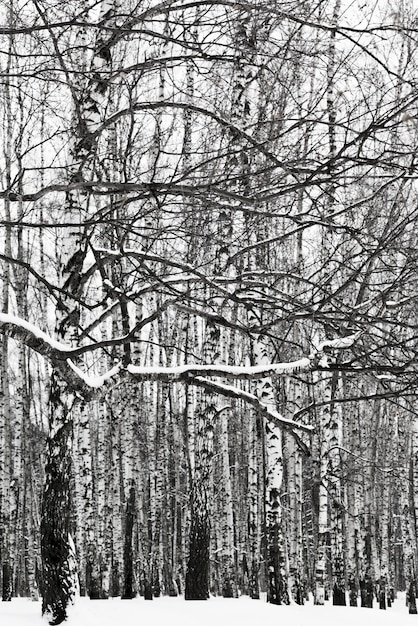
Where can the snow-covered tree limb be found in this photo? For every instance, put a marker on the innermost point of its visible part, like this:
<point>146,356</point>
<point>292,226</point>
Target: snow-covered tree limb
<point>60,355</point>
<point>190,371</point>
<point>249,398</point>
<point>55,352</point>
<point>341,343</point>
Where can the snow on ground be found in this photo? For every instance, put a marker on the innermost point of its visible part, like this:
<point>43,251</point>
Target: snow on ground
<point>213,612</point>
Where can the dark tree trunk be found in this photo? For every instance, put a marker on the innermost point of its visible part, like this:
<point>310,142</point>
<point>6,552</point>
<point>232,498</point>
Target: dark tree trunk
<point>274,584</point>
<point>114,579</point>
<point>254,587</point>
<point>299,592</point>
<point>128,568</point>
<point>353,593</point>
<point>148,595</point>
<point>338,592</point>
<point>366,588</point>
<point>276,591</point>
<point>197,574</point>
<point>57,577</point>
<point>227,587</point>
<point>338,596</point>
<point>412,595</point>
<point>93,578</point>
<point>156,585</point>
<point>382,593</point>
<point>7,586</point>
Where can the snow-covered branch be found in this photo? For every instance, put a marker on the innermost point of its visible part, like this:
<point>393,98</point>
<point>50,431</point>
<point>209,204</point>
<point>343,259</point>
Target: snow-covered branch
<point>60,356</point>
<point>32,336</point>
<point>189,371</point>
<point>95,382</point>
<point>57,353</point>
<point>341,343</point>
<point>249,398</point>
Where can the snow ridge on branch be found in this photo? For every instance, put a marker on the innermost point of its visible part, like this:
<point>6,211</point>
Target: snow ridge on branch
<point>186,372</point>
<point>53,350</point>
<point>59,356</point>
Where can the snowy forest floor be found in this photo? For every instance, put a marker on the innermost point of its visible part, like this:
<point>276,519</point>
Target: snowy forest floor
<point>214,612</point>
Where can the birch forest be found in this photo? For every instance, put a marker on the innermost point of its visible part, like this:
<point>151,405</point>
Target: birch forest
<point>208,296</point>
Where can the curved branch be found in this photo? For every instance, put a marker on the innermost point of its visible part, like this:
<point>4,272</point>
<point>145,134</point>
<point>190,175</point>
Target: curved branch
<point>249,398</point>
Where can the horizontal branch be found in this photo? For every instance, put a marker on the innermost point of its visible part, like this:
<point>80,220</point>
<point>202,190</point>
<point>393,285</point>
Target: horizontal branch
<point>252,372</point>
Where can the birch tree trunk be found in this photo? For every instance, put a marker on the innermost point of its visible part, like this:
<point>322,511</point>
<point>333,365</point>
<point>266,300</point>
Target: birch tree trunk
<point>295,521</point>
<point>322,559</point>
<point>227,567</point>
<point>386,458</point>
<point>7,531</point>
<point>168,337</point>
<point>58,575</point>
<point>414,480</point>
<point>59,586</point>
<point>5,419</point>
<point>353,503</point>
<point>368,554</point>
<point>197,574</point>
<point>409,539</point>
<point>276,557</point>
<point>21,467</point>
<point>295,463</point>
<point>253,508</point>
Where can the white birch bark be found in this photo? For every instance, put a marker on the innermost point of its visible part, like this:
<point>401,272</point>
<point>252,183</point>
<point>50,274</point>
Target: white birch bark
<point>6,414</point>
<point>197,574</point>
<point>324,426</point>
<point>415,476</point>
<point>409,539</point>
<point>228,574</point>
<point>295,496</point>
<point>58,588</point>
<point>368,557</point>
<point>336,494</point>
<point>254,512</point>
<point>276,557</point>
<point>353,502</point>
